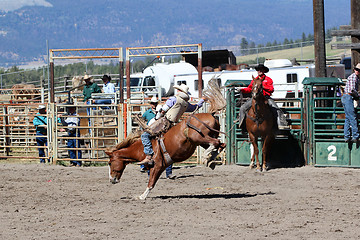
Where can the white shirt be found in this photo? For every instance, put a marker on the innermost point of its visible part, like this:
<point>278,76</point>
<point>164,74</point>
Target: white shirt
<point>109,88</point>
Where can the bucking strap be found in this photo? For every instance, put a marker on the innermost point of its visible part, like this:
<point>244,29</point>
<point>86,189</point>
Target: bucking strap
<point>166,154</point>
<point>199,130</point>
<point>193,127</point>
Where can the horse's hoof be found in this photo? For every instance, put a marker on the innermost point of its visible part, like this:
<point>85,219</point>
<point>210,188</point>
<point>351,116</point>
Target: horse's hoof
<point>258,170</point>
<point>212,165</point>
<point>139,198</point>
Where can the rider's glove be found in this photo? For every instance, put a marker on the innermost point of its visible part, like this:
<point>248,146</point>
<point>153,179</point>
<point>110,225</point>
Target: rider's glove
<point>159,115</point>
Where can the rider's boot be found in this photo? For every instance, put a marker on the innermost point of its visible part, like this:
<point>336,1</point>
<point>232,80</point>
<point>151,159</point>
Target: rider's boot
<point>148,161</point>
<point>281,120</point>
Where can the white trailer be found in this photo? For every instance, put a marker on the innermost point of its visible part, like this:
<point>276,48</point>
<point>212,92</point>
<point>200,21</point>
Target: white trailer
<point>159,78</point>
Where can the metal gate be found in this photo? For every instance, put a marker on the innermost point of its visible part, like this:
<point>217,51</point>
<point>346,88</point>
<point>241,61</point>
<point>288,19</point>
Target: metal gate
<point>287,149</point>
<point>325,144</point>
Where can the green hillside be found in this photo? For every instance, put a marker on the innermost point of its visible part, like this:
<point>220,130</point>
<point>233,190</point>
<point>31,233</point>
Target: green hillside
<point>298,53</point>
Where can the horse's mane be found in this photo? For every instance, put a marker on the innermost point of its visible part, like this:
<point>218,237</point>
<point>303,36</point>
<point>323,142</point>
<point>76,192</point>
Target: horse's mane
<point>133,137</point>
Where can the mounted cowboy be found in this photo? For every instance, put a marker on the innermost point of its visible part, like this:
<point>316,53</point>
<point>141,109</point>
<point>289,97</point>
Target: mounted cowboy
<point>169,115</point>
<point>268,89</point>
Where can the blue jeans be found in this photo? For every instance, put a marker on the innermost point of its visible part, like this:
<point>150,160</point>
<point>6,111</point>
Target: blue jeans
<point>277,112</point>
<point>72,153</point>
<point>88,109</point>
<point>169,170</point>
<point>41,142</point>
<point>103,101</point>
<point>350,126</point>
<point>145,139</point>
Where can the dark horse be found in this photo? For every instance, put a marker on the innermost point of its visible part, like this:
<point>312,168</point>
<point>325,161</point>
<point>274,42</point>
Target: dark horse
<point>259,123</point>
<point>180,143</point>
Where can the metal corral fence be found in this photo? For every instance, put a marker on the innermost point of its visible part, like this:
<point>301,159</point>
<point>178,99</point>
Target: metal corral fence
<point>17,132</point>
<point>101,126</point>
<point>325,145</point>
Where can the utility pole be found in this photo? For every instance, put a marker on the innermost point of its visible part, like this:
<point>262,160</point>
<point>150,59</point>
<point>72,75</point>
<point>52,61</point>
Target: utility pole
<point>355,24</point>
<point>319,38</point>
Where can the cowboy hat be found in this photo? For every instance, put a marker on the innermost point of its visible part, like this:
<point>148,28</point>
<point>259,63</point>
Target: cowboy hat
<point>154,100</point>
<point>106,77</point>
<point>86,77</point>
<point>357,67</point>
<point>41,107</point>
<point>262,67</point>
<point>184,88</point>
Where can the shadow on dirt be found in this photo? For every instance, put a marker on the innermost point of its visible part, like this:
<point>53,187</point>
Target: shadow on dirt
<point>213,196</point>
<point>189,176</point>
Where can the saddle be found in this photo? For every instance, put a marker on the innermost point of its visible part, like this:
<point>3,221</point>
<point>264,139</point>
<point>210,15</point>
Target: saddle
<point>160,126</point>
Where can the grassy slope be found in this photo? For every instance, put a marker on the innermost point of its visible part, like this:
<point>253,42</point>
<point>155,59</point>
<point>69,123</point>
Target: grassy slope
<point>305,53</point>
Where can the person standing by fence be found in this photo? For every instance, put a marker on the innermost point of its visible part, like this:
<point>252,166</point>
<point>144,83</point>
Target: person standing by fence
<point>40,122</point>
<point>351,93</point>
<point>109,88</point>
<point>89,88</point>
<point>71,120</point>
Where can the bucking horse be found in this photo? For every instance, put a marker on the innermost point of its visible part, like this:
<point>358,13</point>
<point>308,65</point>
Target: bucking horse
<point>176,145</point>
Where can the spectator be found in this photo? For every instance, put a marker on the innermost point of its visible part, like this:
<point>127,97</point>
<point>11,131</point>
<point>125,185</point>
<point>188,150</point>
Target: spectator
<point>89,88</point>
<point>108,87</point>
<point>40,122</point>
<point>72,120</point>
<point>351,93</point>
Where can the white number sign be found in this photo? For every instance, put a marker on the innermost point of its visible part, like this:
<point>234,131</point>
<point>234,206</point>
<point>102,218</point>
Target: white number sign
<point>332,151</point>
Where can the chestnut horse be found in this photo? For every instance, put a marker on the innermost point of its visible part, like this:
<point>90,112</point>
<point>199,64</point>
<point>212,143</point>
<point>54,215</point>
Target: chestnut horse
<point>180,143</point>
<point>259,123</point>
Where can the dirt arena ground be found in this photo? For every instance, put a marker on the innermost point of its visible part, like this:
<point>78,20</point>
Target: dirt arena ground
<point>231,202</point>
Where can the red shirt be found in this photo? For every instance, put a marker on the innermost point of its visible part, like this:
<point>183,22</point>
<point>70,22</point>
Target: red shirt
<point>268,86</point>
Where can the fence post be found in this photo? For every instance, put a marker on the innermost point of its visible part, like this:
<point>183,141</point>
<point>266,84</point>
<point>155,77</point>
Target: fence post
<point>52,138</point>
<point>7,131</point>
<point>120,122</point>
<point>66,78</point>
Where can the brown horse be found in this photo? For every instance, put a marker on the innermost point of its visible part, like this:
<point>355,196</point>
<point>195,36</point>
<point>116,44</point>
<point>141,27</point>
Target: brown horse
<point>259,123</point>
<point>180,143</point>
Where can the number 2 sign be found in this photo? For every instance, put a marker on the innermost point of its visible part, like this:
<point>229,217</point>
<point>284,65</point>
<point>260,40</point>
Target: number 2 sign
<point>332,151</point>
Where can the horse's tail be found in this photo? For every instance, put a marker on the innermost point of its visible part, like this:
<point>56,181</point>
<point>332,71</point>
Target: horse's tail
<point>214,95</point>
